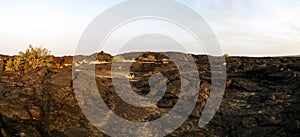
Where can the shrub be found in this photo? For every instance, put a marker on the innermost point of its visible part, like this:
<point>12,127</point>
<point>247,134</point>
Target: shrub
<point>10,65</point>
<point>151,57</point>
<point>147,58</point>
<point>18,64</point>
<point>31,59</point>
<point>140,58</point>
<point>35,57</point>
<point>226,56</point>
<point>117,59</point>
<point>15,64</point>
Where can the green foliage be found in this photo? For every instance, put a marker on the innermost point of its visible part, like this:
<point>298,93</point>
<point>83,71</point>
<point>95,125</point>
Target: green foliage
<point>117,59</point>
<point>146,58</point>
<point>10,65</point>
<point>14,64</point>
<point>226,56</point>
<point>140,58</point>
<point>151,57</point>
<point>31,59</point>
<point>57,65</point>
<point>18,64</point>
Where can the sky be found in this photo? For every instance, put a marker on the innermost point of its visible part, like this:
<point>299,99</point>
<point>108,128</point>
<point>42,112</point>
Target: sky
<point>242,27</point>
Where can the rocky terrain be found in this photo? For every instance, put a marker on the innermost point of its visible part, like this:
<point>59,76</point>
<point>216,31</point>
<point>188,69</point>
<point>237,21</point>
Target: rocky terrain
<point>262,98</point>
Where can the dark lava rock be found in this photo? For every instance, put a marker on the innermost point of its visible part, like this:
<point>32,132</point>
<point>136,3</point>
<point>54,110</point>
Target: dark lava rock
<point>13,111</point>
<point>63,78</point>
<point>261,98</point>
<point>249,122</point>
<point>1,65</point>
<point>67,59</point>
<point>267,121</point>
<point>165,104</point>
<point>103,56</point>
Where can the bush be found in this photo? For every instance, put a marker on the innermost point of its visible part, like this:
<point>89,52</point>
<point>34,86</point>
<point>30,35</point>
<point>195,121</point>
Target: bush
<point>31,59</point>
<point>147,58</point>
<point>151,57</point>
<point>10,65</point>
<point>226,56</point>
<point>117,59</point>
<point>35,57</point>
<point>18,64</point>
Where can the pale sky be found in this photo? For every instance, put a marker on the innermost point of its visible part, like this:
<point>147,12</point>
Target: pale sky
<point>243,27</point>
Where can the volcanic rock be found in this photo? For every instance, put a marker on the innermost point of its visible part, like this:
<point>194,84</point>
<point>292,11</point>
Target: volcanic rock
<point>261,97</point>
